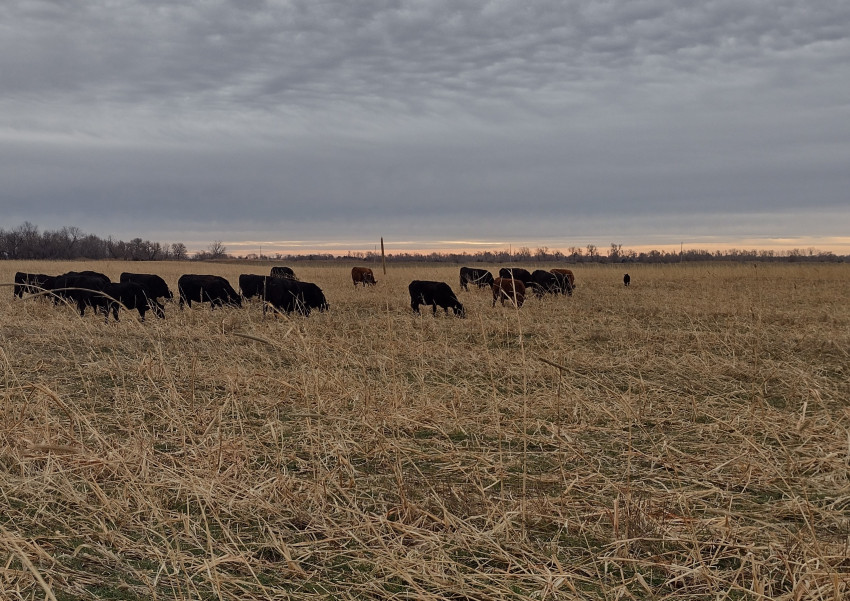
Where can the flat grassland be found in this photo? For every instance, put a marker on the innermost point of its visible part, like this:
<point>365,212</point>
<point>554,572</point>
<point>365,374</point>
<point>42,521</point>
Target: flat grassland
<point>687,437</point>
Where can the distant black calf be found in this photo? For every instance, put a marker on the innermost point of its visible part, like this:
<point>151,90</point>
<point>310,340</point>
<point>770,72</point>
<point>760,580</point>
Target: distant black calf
<point>212,289</point>
<point>480,277</point>
<point>627,280</point>
<point>287,295</point>
<point>435,294</point>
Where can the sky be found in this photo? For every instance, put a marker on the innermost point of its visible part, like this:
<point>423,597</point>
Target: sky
<point>323,125</point>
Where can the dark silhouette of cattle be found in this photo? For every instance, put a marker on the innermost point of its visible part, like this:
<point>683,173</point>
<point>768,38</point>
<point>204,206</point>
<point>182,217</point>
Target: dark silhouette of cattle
<point>131,295</point>
<point>283,272</point>
<point>291,295</point>
<point>434,294</point>
<point>31,283</point>
<point>510,289</point>
<point>479,277</point>
<point>155,287</point>
<point>517,273</point>
<point>212,289</point>
<point>253,285</point>
<point>78,287</point>
<point>363,275</point>
<point>567,272</point>
<point>627,280</point>
<point>546,282</point>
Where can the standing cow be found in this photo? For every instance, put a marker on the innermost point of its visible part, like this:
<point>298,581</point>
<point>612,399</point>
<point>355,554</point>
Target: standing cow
<point>508,288</point>
<point>287,295</point>
<point>566,272</point>
<point>154,285</point>
<point>480,277</point>
<point>547,282</point>
<point>435,294</point>
<point>627,280</point>
<point>363,275</point>
<point>213,289</point>
<point>131,295</point>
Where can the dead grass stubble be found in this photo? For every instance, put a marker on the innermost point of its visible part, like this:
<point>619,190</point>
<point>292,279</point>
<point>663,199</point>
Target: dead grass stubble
<point>687,438</point>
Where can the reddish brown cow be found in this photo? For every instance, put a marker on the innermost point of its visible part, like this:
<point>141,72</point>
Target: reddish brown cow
<point>568,273</point>
<point>506,288</point>
<point>363,275</point>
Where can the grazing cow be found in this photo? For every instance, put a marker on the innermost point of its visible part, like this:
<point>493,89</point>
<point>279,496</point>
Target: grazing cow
<point>480,277</point>
<point>132,295</point>
<point>155,287</point>
<point>253,285</point>
<point>627,280</point>
<point>283,272</point>
<point>434,293</point>
<point>291,295</point>
<point>78,287</point>
<point>363,275</point>
<point>546,282</point>
<point>29,283</point>
<point>517,273</point>
<point>213,289</point>
<point>507,288</point>
<point>568,273</point>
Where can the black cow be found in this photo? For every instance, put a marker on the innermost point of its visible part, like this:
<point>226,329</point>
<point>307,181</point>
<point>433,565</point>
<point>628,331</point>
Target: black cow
<point>480,277</point>
<point>517,273</point>
<point>546,282</point>
<point>213,289</point>
<point>291,295</point>
<point>434,293</point>
<point>155,286</point>
<point>283,272</point>
<point>29,283</point>
<point>627,280</point>
<point>132,295</point>
<point>78,287</point>
<point>253,285</point>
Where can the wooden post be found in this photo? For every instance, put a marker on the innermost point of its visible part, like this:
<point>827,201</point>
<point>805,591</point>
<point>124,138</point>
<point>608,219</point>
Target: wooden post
<point>383,257</point>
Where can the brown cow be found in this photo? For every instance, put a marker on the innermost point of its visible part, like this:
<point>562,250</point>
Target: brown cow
<point>362,275</point>
<point>506,288</point>
<point>568,273</point>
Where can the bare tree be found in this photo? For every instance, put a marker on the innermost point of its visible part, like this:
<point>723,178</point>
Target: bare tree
<point>179,252</point>
<point>217,250</point>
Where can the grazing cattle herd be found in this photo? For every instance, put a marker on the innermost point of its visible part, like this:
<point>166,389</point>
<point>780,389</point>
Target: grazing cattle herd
<point>281,290</point>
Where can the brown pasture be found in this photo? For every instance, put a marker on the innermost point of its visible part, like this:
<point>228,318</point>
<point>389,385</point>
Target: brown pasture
<point>687,437</point>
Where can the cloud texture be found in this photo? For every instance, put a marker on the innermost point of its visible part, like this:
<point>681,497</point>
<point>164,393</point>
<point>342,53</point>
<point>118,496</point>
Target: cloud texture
<point>430,120</point>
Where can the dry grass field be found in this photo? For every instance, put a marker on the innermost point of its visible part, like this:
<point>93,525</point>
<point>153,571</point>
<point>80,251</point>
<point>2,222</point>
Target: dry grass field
<point>684,438</point>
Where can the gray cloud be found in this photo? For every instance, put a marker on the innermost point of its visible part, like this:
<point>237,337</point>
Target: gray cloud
<point>435,117</point>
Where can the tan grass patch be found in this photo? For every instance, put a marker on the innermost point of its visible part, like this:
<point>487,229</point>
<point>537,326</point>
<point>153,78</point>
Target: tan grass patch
<point>687,437</point>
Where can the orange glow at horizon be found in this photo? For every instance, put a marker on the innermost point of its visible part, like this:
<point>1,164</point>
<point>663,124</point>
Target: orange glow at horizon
<point>836,245</point>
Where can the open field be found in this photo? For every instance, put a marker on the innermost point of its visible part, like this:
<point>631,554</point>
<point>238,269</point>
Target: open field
<point>684,438</point>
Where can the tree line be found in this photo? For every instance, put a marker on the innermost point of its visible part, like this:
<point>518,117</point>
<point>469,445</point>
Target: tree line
<point>67,243</point>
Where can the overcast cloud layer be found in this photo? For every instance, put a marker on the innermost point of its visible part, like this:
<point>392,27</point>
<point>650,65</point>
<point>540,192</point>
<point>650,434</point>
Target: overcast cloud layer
<point>557,123</point>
